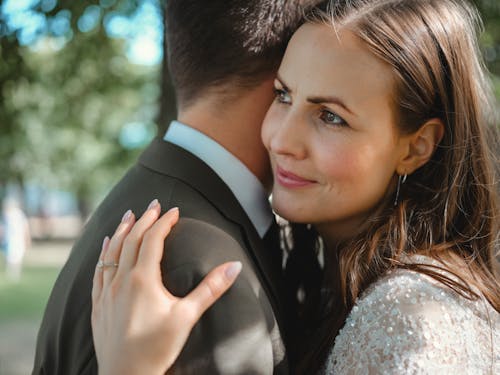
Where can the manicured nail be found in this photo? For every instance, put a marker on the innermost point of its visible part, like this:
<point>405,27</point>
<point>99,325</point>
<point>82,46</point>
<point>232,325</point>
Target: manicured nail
<point>173,209</point>
<point>127,216</point>
<point>153,204</point>
<point>233,270</point>
<point>105,243</point>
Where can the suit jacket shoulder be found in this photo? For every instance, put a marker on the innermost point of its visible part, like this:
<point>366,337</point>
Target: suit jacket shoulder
<point>239,334</point>
<point>175,178</point>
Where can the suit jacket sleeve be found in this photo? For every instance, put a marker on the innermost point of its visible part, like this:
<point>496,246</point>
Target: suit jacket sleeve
<point>234,335</point>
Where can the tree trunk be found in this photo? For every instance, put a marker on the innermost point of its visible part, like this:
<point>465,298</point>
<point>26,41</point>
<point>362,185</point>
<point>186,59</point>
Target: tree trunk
<point>167,108</point>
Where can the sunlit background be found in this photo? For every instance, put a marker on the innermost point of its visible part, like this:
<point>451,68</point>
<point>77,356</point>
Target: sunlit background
<point>80,96</point>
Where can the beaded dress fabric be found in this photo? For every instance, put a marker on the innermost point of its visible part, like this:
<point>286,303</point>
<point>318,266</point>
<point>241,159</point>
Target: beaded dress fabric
<point>408,323</point>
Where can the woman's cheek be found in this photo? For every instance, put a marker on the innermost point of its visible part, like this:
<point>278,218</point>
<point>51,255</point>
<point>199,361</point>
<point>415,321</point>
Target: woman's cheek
<point>340,164</point>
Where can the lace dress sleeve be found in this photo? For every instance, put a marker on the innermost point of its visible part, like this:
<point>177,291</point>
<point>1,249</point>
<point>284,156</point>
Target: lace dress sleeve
<point>406,324</point>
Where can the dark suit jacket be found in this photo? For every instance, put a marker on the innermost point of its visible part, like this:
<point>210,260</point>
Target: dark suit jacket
<point>240,334</point>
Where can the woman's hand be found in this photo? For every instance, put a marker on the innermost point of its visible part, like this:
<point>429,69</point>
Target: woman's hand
<point>138,326</point>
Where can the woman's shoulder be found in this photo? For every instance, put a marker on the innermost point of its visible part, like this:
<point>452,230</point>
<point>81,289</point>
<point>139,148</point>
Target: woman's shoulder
<point>407,321</point>
<point>414,294</point>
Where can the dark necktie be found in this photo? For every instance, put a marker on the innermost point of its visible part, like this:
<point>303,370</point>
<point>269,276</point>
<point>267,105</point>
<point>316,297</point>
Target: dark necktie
<point>272,242</point>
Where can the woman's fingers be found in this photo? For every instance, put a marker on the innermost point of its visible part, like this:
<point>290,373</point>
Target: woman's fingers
<point>97,282</point>
<point>112,254</point>
<point>211,288</point>
<point>134,238</point>
<point>126,242</point>
<point>152,246</point>
<point>139,301</point>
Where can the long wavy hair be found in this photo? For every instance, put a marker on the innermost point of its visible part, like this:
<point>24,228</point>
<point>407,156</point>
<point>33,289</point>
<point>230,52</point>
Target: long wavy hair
<point>448,209</point>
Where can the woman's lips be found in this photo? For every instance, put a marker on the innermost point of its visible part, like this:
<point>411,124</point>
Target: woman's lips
<point>290,180</point>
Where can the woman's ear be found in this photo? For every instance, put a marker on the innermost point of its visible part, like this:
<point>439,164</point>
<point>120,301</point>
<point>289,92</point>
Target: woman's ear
<point>421,146</point>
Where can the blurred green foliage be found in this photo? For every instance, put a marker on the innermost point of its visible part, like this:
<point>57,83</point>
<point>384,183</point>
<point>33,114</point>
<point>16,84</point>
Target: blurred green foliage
<point>65,97</point>
<point>490,39</point>
<point>27,298</point>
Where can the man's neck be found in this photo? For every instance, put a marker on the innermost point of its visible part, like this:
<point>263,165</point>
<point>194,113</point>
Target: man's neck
<point>235,124</point>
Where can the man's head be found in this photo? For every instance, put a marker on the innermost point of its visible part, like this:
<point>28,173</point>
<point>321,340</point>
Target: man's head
<point>216,43</point>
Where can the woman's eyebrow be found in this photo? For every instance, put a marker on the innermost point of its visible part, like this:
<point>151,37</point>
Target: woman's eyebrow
<point>317,99</point>
<point>329,99</point>
<point>282,83</point>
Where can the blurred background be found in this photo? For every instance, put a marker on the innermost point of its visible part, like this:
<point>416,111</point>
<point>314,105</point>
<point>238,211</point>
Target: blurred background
<point>82,91</point>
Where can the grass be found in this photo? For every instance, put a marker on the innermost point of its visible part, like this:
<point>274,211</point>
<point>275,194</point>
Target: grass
<point>27,298</point>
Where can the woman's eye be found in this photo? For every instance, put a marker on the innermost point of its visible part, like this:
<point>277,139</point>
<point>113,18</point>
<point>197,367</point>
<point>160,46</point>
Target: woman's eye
<point>282,96</point>
<point>332,118</point>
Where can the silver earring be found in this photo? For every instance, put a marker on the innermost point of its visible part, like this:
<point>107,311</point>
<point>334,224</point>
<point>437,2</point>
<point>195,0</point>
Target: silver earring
<point>401,181</point>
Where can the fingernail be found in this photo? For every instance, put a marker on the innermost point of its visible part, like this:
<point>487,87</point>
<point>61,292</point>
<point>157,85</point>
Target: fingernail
<point>153,204</point>
<point>173,209</point>
<point>233,270</point>
<point>105,242</point>
<point>126,217</point>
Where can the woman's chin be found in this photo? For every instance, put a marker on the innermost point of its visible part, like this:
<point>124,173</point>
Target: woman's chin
<point>291,214</point>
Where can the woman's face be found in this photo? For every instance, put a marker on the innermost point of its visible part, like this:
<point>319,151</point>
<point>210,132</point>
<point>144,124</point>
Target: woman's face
<point>330,132</point>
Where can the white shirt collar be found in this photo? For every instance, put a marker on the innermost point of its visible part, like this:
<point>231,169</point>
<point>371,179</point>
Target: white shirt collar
<point>246,187</point>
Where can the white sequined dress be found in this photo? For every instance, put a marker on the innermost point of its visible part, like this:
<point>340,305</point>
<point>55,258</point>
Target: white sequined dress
<point>408,323</point>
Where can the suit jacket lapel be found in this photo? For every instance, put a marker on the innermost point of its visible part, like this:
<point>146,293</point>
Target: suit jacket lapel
<point>171,160</point>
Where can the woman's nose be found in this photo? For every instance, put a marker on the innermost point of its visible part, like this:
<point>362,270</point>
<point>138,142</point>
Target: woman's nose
<point>289,138</point>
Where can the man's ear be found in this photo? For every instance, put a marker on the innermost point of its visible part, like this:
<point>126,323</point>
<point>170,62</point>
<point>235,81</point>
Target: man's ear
<point>421,146</point>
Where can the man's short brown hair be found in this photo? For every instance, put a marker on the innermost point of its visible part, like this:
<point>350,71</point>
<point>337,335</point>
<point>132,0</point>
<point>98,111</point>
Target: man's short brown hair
<point>211,43</point>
